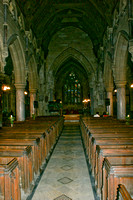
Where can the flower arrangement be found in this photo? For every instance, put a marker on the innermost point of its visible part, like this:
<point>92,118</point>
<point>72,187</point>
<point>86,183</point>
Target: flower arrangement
<point>11,118</point>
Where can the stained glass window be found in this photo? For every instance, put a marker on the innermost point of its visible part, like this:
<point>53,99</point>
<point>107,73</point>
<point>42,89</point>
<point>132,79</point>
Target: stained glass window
<point>72,90</point>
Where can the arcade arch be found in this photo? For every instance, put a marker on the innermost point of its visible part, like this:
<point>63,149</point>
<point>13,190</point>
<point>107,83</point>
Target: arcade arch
<point>119,72</point>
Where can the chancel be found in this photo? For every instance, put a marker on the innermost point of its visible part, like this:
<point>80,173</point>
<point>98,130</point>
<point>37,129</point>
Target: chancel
<point>62,64</point>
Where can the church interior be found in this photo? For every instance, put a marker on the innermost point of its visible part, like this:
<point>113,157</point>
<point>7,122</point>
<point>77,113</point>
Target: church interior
<point>66,100</point>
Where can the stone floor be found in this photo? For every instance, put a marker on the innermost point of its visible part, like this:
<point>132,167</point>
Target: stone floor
<point>66,176</point>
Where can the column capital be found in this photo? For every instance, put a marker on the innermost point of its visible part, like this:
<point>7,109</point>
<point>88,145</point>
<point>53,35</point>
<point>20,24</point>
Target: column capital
<point>109,89</point>
<point>120,84</point>
<point>19,85</point>
<point>32,90</point>
<point>6,2</point>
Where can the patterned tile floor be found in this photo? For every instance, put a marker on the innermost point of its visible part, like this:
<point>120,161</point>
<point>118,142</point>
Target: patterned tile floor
<point>66,176</point>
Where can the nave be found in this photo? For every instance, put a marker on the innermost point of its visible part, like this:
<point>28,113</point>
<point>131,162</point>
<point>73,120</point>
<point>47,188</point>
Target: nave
<point>66,176</point>
<point>50,144</point>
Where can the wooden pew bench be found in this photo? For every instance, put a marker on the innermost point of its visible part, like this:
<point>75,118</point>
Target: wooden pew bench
<point>89,131</point>
<point>100,132</point>
<point>105,141</point>
<point>29,135</point>
<point>34,143</point>
<point>50,130</point>
<point>91,137</point>
<point>122,193</point>
<point>28,150</point>
<point>126,155</point>
<point>9,179</point>
<point>24,157</point>
<point>115,173</point>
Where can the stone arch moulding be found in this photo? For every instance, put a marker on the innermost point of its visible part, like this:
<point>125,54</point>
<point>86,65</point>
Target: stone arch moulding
<point>11,39</point>
<point>33,73</point>
<point>108,74</point>
<point>120,57</point>
<point>71,53</point>
<point>18,58</point>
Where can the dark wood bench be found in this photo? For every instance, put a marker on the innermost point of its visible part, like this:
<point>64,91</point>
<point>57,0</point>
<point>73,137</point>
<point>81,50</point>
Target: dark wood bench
<point>25,135</point>
<point>122,193</point>
<point>9,179</point>
<point>105,141</point>
<point>34,143</point>
<point>24,158</point>
<point>110,137</point>
<point>125,155</point>
<point>115,173</point>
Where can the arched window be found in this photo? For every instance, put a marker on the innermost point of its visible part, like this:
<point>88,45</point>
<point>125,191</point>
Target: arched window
<point>72,90</point>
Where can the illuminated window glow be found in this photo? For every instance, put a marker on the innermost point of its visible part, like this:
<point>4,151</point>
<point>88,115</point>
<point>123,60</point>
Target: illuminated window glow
<point>72,90</point>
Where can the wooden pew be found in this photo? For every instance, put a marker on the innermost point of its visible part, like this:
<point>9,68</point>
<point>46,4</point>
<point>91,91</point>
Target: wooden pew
<point>50,130</point>
<point>105,141</point>
<point>115,173</point>
<point>114,153</point>
<point>9,179</point>
<point>27,150</point>
<point>91,138</point>
<point>15,139</point>
<point>34,143</point>
<point>101,133</point>
<point>25,164</point>
<point>88,131</point>
<point>122,193</point>
<point>30,135</point>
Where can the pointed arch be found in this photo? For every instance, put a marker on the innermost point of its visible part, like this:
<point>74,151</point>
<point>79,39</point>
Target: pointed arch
<point>71,53</point>
<point>108,74</point>
<point>18,58</point>
<point>120,57</point>
<point>33,83</point>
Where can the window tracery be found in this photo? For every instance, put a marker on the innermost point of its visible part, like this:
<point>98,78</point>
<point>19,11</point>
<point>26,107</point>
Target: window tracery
<point>72,90</point>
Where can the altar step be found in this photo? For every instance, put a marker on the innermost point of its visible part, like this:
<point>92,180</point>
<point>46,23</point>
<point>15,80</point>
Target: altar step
<point>73,118</point>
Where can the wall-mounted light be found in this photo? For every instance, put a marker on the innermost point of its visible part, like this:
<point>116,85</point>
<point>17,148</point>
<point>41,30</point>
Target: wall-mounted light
<point>5,88</point>
<point>131,85</point>
<point>25,93</point>
<point>115,91</point>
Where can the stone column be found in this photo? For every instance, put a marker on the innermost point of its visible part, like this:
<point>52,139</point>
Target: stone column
<point>20,102</point>
<point>110,97</point>
<point>130,49</point>
<point>92,101</point>
<point>51,92</point>
<point>32,99</point>
<point>131,99</point>
<point>121,99</point>
<point>13,97</point>
<point>0,105</point>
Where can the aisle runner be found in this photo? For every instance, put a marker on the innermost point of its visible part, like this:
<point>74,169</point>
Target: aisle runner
<point>66,176</point>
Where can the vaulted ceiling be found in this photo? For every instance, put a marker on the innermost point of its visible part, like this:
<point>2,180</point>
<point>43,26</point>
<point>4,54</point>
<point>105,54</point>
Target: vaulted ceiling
<point>46,17</point>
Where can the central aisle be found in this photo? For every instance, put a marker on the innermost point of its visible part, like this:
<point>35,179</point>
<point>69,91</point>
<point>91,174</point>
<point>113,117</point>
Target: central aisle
<point>66,176</point>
